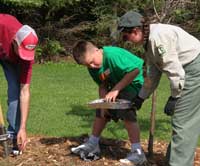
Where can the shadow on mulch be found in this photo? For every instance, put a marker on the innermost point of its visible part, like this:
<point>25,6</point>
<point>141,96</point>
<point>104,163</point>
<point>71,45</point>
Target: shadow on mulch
<point>110,149</point>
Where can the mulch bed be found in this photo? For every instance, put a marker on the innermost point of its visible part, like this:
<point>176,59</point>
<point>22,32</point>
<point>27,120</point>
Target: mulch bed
<point>51,151</point>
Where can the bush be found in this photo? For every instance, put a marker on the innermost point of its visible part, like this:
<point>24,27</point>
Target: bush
<point>182,15</point>
<point>67,21</point>
<point>48,50</point>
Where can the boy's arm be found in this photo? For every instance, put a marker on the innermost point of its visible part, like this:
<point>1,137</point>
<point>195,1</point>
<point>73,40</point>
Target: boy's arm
<point>126,80</point>
<point>102,93</point>
<point>102,90</point>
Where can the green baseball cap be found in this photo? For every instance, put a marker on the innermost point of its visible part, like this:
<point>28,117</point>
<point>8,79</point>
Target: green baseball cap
<point>129,20</point>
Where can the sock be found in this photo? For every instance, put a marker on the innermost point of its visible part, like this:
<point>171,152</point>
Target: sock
<point>93,139</point>
<point>136,147</point>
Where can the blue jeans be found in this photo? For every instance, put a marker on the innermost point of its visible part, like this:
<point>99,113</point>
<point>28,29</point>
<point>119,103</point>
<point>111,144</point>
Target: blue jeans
<point>12,74</point>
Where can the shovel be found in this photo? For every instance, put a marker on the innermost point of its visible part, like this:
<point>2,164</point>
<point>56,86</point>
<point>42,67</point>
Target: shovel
<point>3,135</point>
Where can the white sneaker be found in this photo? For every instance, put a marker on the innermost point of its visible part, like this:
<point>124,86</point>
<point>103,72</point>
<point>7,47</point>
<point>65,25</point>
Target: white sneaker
<point>87,151</point>
<point>135,158</point>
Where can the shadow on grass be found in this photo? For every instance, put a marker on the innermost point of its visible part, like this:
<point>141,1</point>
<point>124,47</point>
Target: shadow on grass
<point>87,116</point>
<point>161,125</point>
<point>82,111</point>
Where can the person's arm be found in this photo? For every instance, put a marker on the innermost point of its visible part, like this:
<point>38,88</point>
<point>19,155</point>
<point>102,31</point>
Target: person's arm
<point>102,90</point>
<point>24,104</point>
<point>24,107</point>
<point>102,93</point>
<point>165,46</point>
<point>126,80</point>
<point>25,79</point>
<point>153,79</point>
<point>175,73</point>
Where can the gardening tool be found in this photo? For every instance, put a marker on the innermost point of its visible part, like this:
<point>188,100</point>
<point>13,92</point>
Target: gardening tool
<point>103,104</point>
<point>152,125</point>
<point>3,135</point>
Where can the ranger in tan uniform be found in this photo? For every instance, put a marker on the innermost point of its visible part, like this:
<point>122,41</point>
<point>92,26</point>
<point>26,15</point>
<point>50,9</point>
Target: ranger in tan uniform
<point>171,50</point>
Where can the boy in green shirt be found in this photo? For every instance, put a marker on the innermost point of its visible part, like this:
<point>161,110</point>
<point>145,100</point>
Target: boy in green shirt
<point>119,75</point>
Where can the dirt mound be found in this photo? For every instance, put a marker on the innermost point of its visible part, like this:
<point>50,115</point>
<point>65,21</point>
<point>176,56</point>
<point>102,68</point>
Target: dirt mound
<point>51,151</point>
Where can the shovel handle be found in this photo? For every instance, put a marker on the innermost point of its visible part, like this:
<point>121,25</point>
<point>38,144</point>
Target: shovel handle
<point>1,116</point>
<point>152,125</point>
<point>4,136</point>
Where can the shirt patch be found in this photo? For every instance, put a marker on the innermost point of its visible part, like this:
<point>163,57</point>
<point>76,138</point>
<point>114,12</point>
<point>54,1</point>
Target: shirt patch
<point>103,76</point>
<point>161,50</point>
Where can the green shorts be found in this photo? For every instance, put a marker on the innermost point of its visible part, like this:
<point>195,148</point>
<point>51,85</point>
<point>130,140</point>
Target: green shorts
<point>115,114</point>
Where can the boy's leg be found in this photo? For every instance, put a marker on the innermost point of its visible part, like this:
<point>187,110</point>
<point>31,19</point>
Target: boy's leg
<point>137,155</point>
<point>13,115</point>
<point>90,150</point>
<point>133,131</point>
<point>98,126</point>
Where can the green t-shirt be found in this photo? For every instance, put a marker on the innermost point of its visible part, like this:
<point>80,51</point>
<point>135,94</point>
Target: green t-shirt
<point>117,62</point>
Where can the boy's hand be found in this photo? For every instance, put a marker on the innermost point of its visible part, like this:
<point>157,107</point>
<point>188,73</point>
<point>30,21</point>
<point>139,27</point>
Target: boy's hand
<point>112,95</point>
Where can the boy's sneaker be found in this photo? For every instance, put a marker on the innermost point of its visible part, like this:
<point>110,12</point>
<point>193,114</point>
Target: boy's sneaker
<point>134,159</point>
<point>87,151</point>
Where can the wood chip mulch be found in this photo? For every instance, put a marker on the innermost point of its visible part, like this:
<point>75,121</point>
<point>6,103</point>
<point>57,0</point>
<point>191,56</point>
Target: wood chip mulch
<point>51,151</point>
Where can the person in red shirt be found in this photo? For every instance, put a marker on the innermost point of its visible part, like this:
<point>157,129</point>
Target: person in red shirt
<point>17,49</point>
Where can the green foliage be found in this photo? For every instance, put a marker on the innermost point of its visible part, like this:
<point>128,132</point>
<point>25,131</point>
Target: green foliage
<point>49,49</point>
<point>38,53</point>
<point>53,47</point>
<point>137,50</point>
<point>22,3</point>
<point>198,26</point>
<point>51,6</point>
<point>108,13</point>
<point>181,15</point>
<point>69,20</point>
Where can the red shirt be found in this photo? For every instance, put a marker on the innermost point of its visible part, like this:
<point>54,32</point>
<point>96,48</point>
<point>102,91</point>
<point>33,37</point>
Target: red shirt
<point>9,25</point>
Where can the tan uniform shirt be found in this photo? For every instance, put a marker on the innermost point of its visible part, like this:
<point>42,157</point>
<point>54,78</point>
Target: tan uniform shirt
<point>169,49</point>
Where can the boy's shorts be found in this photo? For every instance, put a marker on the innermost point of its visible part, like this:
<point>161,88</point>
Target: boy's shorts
<point>115,114</point>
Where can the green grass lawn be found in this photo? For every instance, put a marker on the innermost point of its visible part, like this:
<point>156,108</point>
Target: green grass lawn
<point>60,93</point>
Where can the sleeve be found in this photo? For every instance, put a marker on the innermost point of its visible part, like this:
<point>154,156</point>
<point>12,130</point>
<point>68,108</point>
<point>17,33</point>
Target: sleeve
<point>153,75</point>
<point>26,71</point>
<point>165,46</point>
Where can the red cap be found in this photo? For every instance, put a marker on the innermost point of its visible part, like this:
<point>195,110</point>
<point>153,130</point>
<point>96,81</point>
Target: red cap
<point>27,40</point>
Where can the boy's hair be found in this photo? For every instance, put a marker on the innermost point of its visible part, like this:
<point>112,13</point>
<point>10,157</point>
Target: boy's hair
<point>80,49</point>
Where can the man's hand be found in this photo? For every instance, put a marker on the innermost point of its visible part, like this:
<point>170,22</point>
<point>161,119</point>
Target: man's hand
<point>170,106</point>
<point>137,102</point>
<point>21,139</point>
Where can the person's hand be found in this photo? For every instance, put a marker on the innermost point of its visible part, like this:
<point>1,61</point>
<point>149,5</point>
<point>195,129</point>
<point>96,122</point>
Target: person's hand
<point>170,106</point>
<point>21,139</point>
<point>137,102</point>
<point>111,96</point>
